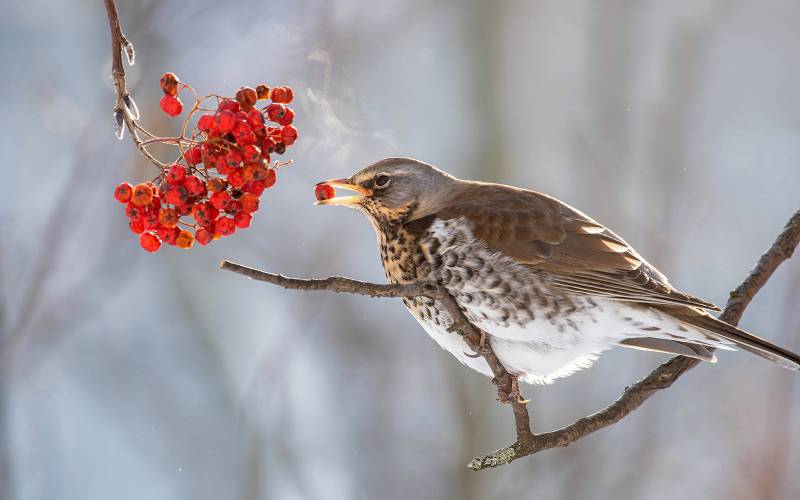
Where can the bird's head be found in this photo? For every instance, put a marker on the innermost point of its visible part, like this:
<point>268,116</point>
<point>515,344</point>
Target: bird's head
<point>394,190</point>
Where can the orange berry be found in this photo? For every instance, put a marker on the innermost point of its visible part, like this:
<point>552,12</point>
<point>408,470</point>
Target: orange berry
<point>168,217</point>
<point>142,194</point>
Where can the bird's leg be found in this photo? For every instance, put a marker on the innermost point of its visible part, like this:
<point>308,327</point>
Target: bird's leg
<point>512,396</point>
<point>482,347</point>
<point>482,341</point>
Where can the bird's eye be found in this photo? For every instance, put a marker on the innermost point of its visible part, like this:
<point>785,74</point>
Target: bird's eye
<point>381,181</point>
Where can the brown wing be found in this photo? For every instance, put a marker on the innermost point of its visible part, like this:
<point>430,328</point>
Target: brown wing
<point>576,252</point>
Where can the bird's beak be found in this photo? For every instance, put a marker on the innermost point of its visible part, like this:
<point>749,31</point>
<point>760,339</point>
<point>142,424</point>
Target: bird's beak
<point>344,200</point>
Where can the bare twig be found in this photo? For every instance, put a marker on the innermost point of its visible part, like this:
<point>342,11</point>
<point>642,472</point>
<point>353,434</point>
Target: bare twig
<point>632,398</point>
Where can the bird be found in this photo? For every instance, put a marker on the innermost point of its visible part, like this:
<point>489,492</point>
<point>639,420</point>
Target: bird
<point>549,287</point>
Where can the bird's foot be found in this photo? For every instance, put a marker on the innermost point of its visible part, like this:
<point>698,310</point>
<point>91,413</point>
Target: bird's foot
<point>512,396</point>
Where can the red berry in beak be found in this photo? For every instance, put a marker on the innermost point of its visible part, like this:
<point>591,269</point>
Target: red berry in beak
<point>324,192</point>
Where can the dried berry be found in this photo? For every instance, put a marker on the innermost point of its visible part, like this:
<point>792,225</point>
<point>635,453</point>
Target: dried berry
<point>246,97</point>
<point>169,84</point>
<point>216,184</point>
<point>262,92</point>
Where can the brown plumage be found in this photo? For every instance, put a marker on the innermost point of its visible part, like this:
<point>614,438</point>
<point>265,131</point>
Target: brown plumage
<point>550,286</point>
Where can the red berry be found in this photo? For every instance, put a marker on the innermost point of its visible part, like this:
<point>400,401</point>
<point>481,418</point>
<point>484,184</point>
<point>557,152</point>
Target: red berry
<point>202,214</point>
<point>220,200</point>
<point>255,187</point>
<point>206,123</point>
<point>324,192</point>
<point>132,211</point>
<point>169,84</point>
<point>224,226</point>
<point>177,195</point>
<point>271,178</point>
<point>234,158</point>
<point>225,121</point>
<point>236,179</point>
<point>244,133</point>
<point>282,95</point>
<point>136,225</point>
<point>203,236</point>
<point>168,234</point>
<point>269,144</point>
<point>288,135</point>
<point>150,219</point>
<point>275,112</point>
<point>255,119</point>
<point>243,219</point>
<point>251,153</point>
<point>171,105</point>
<point>288,116</point>
<point>195,185</point>
<point>193,155</point>
<point>234,207</point>
<point>123,192</point>
<point>228,105</point>
<point>149,242</point>
<point>142,194</point>
<point>175,175</point>
<point>184,209</point>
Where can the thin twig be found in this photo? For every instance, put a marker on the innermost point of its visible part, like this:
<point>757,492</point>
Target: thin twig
<point>632,398</point>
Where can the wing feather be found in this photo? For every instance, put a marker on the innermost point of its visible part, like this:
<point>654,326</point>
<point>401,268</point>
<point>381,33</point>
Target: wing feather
<point>551,237</point>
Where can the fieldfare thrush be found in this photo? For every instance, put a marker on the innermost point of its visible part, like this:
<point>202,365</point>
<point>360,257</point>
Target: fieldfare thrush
<point>550,287</point>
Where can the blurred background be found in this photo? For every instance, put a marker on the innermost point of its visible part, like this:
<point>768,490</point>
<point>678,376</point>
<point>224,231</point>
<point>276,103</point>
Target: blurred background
<point>126,375</point>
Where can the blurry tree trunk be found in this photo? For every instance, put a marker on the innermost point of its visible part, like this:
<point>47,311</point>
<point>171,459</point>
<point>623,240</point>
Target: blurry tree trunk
<point>6,477</point>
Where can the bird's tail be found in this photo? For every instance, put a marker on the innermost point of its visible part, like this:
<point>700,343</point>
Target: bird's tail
<point>740,338</point>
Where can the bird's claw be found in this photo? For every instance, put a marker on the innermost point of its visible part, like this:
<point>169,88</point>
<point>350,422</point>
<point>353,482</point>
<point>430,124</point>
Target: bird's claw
<point>512,396</point>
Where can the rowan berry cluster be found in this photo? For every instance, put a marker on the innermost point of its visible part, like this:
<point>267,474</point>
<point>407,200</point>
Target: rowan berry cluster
<point>215,185</point>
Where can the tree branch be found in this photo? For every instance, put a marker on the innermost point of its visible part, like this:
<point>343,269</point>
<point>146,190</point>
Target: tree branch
<point>473,336</point>
<point>632,398</point>
<point>125,110</point>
